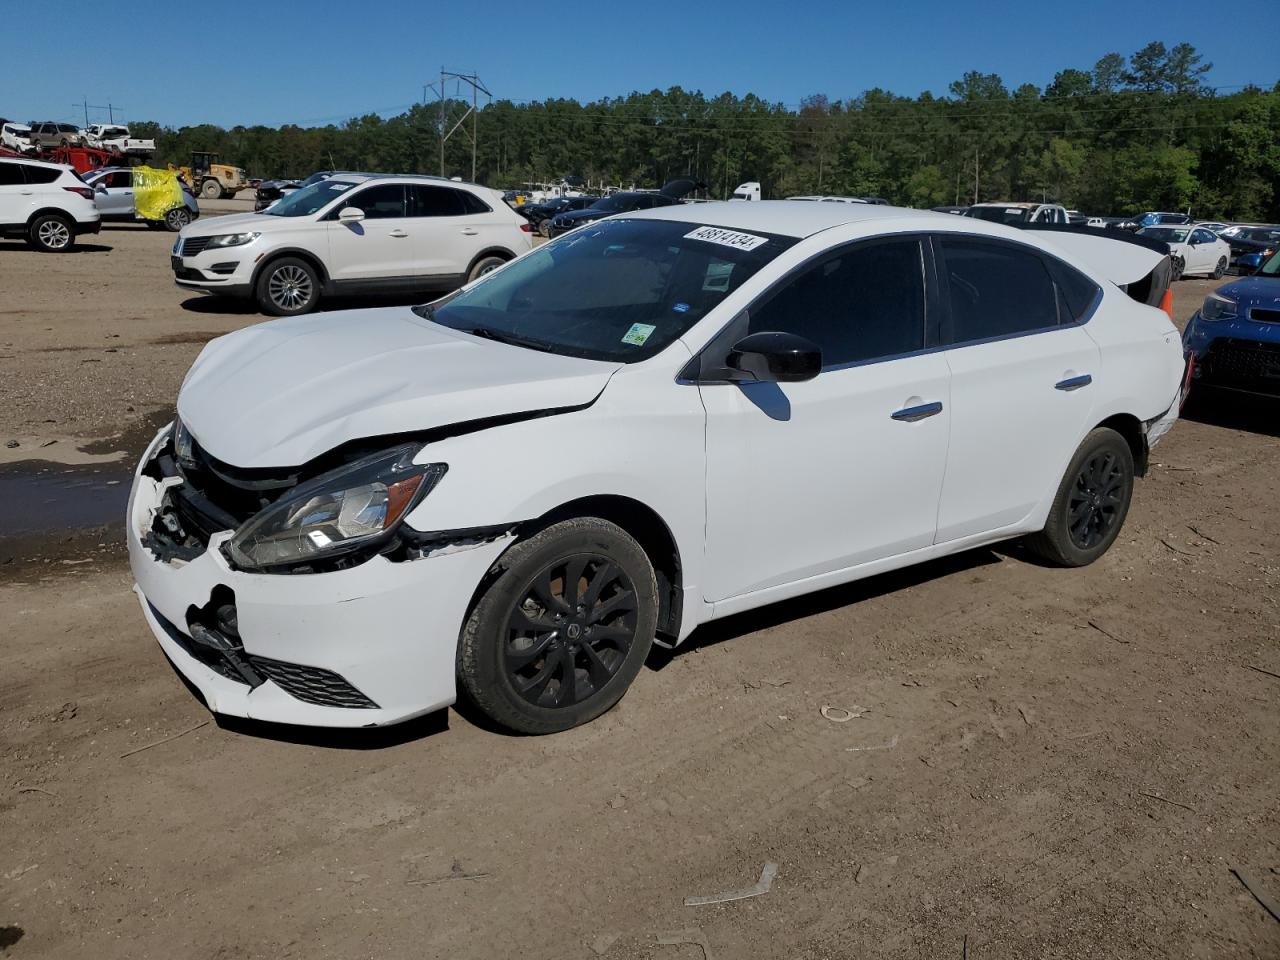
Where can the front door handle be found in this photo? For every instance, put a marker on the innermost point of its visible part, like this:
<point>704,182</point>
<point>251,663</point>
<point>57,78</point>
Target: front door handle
<point>1073,383</point>
<point>470,231</point>
<point>398,233</point>
<point>918,412</point>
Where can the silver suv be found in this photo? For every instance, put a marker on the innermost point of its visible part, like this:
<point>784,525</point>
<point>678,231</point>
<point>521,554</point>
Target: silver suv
<point>48,135</point>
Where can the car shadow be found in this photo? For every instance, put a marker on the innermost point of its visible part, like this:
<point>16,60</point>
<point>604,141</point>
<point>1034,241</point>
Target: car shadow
<point>822,601</point>
<point>207,304</point>
<point>78,248</point>
<point>1234,411</point>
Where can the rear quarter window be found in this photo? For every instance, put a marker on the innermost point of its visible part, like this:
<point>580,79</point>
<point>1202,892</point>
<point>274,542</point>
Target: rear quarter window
<point>996,290</point>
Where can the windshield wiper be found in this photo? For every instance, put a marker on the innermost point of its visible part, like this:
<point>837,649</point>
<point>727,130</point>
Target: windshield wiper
<point>490,334</point>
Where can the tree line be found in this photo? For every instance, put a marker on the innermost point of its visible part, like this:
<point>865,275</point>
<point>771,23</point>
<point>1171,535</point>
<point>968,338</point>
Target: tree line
<point>1144,132</point>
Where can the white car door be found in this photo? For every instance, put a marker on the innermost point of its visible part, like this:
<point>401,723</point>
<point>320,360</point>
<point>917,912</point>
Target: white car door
<point>1021,366</point>
<point>1205,246</point>
<point>447,237</point>
<point>378,247</point>
<point>818,476</point>
<point>15,194</point>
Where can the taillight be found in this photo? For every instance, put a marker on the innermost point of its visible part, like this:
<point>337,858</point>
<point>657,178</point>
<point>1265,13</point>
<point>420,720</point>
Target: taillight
<point>86,192</point>
<point>527,227</point>
<point>1166,302</point>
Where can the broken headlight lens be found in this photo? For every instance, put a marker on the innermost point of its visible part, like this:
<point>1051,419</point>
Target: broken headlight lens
<point>184,445</point>
<point>355,506</point>
<point>1217,307</point>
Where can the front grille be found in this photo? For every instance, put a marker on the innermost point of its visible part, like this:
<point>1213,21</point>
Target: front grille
<point>1244,364</point>
<point>193,245</point>
<point>1264,316</point>
<point>315,685</point>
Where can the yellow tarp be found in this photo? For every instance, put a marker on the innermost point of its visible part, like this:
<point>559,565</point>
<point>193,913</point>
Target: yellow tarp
<point>155,192</point>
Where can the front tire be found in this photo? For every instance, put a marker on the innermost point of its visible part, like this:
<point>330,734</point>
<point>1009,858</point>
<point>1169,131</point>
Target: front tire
<point>211,190</point>
<point>1091,503</point>
<point>563,628</point>
<point>484,265</point>
<point>1221,269</point>
<point>287,287</point>
<point>51,233</point>
<point>1178,266</point>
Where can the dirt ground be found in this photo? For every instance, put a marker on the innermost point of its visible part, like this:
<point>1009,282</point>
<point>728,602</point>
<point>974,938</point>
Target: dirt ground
<point>1048,764</point>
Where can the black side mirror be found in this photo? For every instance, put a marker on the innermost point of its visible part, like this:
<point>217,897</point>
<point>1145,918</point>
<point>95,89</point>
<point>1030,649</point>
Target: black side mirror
<point>774,357</point>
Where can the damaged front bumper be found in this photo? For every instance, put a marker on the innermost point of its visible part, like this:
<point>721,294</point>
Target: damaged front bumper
<point>366,646</point>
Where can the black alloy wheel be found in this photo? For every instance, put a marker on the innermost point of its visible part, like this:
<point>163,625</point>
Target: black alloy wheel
<point>561,627</point>
<point>571,632</point>
<point>1091,503</point>
<point>1096,499</point>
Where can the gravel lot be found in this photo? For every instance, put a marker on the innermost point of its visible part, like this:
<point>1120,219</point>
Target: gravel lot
<point>1052,764</point>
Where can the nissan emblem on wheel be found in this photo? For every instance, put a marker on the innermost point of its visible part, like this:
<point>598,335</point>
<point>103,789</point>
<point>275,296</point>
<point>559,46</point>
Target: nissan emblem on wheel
<point>662,418</point>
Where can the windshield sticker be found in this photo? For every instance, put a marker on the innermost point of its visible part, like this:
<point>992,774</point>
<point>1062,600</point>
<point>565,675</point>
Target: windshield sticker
<point>681,308</point>
<point>339,187</point>
<point>726,238</point>
<point>638,334</point>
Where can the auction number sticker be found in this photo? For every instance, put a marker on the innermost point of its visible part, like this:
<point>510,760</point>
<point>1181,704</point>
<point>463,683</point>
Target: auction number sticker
<point>638,334</point>
<point>727,238</point>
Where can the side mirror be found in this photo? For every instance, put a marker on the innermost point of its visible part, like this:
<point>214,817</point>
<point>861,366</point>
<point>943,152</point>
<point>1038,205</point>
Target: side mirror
<point>350,215</point>
<point>776,357</point>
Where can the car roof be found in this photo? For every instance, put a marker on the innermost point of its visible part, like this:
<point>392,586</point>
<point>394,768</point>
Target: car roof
<point>36,163</point>
<point>1021,204</point>
<point>791,219</point>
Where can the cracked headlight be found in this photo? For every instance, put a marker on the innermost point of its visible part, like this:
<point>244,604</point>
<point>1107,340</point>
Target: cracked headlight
<point>356,506</point>
<point>231,240</point>
<point>1217,307</point>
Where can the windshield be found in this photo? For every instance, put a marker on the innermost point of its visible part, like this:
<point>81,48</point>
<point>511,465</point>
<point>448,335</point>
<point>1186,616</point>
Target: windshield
<point>1001,214</point>
<point>618,290</point>
<point>308,200</point>
<point>1272,267</point>
<point>1164,234</point>
<point>611,204</point>
<point>1260,236</point>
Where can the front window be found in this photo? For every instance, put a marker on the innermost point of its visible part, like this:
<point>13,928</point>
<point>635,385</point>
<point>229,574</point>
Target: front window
<point>619,290</point>
<point>1164,234</point>
<point>308,200</point>
<point>1272,267</point>
<point>1000,214</point>
<point>612,204</point>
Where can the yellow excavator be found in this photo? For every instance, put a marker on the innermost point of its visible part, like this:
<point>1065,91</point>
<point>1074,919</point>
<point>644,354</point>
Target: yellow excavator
<point>211,179</point>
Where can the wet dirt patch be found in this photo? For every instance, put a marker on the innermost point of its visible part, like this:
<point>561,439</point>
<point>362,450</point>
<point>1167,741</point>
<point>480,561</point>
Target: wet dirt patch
<point>134,438</point>
<point>193,336</point>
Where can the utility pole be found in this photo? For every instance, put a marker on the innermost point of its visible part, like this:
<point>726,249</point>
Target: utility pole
<point>975,174</point>
<point>473,112</point>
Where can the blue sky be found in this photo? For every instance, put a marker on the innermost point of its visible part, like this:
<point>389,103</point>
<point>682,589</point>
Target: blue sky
<point>321,61</point>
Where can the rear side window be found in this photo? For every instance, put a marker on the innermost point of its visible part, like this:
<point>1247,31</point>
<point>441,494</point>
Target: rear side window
<point>864,303</point>
<point>42,174</point>
<point>996,290</point>
<point>11,175</point>
<point>1076,292</point>
<point>427,201</point>
<point>472,204</point>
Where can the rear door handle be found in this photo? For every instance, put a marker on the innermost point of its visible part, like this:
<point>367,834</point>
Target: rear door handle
<point>1073,383</point>
<point>918,412</point>
<point>470,231</point>
<point>398,233</point>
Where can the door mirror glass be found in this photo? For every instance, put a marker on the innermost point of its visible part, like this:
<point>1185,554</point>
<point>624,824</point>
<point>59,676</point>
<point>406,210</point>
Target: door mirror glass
<point>350,215</point>
<point>774,357</point>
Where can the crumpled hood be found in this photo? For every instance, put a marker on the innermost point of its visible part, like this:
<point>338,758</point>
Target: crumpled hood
<point>281,393</point>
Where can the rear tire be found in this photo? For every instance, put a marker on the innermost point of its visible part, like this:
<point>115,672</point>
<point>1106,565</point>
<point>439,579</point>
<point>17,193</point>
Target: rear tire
<point>51,233</point>
<point>484,265</point>
<point>562,629</point>
<point>287,287</point>
<point>211,190</point>
<point>1091,504</point>
<point>176,219</point>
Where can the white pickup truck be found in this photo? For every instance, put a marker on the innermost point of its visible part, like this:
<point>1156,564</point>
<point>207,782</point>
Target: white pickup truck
<point>108,136</point>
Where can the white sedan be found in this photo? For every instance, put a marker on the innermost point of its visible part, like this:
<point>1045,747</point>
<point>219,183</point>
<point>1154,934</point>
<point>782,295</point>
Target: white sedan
<point>1194,249</point>
<point>652,422</point>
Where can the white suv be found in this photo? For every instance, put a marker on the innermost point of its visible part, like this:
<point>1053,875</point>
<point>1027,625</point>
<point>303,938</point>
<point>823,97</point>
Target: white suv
<point>46,203</point>
<point>352,233</point>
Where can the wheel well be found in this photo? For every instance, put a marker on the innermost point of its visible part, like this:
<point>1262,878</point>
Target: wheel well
<point>654,537</point>
<point>300,255</point>
<point>1130,427</point>
<point>54,211</point>
<point>502,252</point>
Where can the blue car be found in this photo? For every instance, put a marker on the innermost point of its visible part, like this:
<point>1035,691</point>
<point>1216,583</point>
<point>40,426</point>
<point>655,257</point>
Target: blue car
<point>1251,247</point>
<point>1234,338</point>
